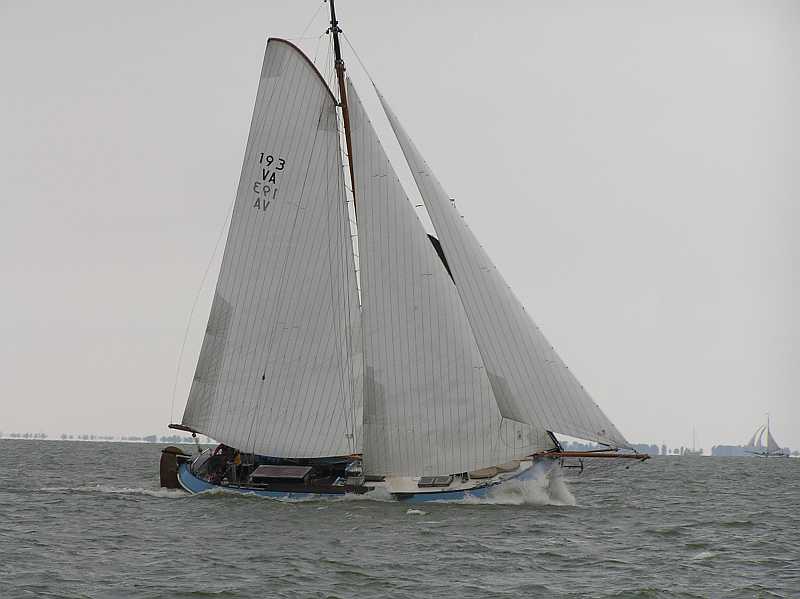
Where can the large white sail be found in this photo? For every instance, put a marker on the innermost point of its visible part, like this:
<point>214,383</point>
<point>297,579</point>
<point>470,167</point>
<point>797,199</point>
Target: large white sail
<point>755,440</point>
<point>530,382</point>
<point>428,405</point>
<point>772,444</point>
<point>277,372</point>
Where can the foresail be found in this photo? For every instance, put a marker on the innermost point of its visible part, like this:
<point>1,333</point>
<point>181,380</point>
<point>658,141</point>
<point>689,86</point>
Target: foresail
<point>530,382</point>
<point>428,405</point>
<point>278,372</point>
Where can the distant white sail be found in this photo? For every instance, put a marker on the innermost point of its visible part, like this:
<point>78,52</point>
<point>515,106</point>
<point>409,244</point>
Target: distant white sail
<point>530,382</point>
<point>428,404</point>
<point>278,369</point>
<point>772,444</point>
<point>756,435</point>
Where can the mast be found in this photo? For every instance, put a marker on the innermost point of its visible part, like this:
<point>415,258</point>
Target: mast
<point>767,452</point>
<point>339,66</point>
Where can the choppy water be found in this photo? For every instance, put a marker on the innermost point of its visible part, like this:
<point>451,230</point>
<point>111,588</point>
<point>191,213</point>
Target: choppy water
<point>88,520</point>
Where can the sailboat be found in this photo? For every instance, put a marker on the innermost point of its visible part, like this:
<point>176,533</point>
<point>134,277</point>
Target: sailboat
<point>693,451</point>
<point>763,444</point>
<point>407,368</point>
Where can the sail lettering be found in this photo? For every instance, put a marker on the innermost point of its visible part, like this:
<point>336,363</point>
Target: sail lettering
<point>266,190</point>
<point>268,159</point>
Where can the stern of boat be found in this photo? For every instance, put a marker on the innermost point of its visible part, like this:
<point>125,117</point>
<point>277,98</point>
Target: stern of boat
<point>171,459</point>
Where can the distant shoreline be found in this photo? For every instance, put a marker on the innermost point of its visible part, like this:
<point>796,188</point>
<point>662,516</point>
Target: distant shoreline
<point>210,443</point>
<point>190,441</point>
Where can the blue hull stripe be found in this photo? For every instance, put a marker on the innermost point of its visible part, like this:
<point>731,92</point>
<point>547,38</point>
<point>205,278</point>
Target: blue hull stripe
<point>194,484</point>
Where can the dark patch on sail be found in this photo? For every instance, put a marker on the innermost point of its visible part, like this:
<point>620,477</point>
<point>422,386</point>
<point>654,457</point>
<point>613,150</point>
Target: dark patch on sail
<point>438,247</point>
<point>375,414</point>
<point>327,119</point>
<point>504,397</point>
<point>209,364</point>
<point>375,407</point>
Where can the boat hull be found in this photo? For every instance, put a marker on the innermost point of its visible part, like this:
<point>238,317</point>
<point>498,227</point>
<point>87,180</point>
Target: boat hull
<point>529,471</point>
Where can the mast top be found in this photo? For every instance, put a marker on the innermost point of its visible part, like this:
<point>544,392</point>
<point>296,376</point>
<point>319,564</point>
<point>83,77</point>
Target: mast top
<point>339,66</point>
<point>337,50</point>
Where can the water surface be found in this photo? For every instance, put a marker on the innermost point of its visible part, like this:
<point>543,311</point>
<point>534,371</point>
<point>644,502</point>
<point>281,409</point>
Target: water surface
<point>88,520</point>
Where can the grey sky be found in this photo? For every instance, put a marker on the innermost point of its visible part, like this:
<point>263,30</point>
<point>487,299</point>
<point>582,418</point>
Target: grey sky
<point>631,167</point>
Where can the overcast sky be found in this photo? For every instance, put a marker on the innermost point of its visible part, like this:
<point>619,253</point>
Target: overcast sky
<point>632,167</point>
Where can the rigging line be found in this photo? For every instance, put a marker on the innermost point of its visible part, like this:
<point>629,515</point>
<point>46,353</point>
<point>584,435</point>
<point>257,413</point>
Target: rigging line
<point>312,20</point>
<point>349,199</point>
<point>222,230</point>
<point>351,277</point>
<point>344,265</point>
<point>316,49</point>
<point>331,68</point>
<point>358,58</point>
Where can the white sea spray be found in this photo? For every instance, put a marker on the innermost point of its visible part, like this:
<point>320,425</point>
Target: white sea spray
<point>546,487</point>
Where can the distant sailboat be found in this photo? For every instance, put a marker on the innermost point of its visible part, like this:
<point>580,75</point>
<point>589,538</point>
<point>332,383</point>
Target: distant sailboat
<point>693,451</point>
<point>426,381</point>
<point>763,444</point>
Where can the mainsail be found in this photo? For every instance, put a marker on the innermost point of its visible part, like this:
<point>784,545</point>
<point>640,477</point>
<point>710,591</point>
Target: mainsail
<point>278,372</point>
<point>530,381</point>
<point>428,404</point>
<point>757,435</point>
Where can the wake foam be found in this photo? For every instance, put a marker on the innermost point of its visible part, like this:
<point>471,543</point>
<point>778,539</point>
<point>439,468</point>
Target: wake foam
<point>252,495</point>
<point>704,555</point>
<point>377,494</point>
<point>108,489</point>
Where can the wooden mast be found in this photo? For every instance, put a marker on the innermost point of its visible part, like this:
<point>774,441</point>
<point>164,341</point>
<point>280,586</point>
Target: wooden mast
<point>339,66</point>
